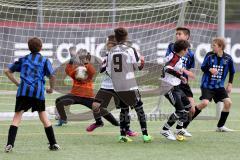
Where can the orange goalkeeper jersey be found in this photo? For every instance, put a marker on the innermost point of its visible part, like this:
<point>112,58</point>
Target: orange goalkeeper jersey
<point>82,88</point>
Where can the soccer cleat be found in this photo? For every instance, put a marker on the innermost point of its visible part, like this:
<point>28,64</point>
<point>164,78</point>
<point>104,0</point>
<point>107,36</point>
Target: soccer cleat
<point>147,138</point>
<point>93,126</point>
<point>183,132</point>
<point>124,139</point>
<point>223,129</point>
<point>8,148</point>
<point>168,134</point>
<point>131,133</point>
<point>61,122</point>
<point>54,147</point>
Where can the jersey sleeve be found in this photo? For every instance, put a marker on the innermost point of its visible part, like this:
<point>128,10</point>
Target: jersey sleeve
<point>16,66</point>
<point>91,71</point>
<point>48,69</point>
<point>169,49</point>
<point>206,63</point>
<point>231,70</point>
<point>192,61</point>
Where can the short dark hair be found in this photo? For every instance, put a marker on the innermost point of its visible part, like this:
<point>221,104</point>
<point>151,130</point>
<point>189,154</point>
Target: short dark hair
<point>185,30</point>
<point>120,34</point>
<point>34,44</point>
<point>111,37</point>
<point>180,45</point>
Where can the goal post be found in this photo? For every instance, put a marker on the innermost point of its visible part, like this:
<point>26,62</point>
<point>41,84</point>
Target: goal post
<point>86,24</point>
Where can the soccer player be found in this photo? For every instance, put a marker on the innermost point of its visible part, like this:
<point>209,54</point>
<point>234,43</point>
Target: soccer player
<point>106,92</point>
<point>82,89</point>
<point>122,62</point>
<point>30,94</point>
<point>183,33</point>
<point>173,75</point>
<point>216,65</point>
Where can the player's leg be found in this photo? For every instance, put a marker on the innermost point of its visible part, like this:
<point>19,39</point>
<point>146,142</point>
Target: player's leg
<point>184,118</point>
<point>188,92</point>
<point>141,117</point>
<point>129,132</point>
<point>221,95</point>
<point>123,117</point>
<point>60,103</point>
<point>12,132</point>
<point>175,99</point>
<point>99,107</point>
<point>206,96</point>
<point>48,130</point>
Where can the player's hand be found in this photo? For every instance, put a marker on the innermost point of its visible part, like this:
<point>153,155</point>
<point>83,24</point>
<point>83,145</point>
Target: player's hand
<point>183,79</point>
<point>229,88</point>
<point>49,90</point>
<point>190,74</point>
<point>141,63</point>
<point>213,71</point>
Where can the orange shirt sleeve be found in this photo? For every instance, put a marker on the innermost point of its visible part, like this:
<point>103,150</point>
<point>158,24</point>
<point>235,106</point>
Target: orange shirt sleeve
<point>70,70</point>
<point>91,71</point>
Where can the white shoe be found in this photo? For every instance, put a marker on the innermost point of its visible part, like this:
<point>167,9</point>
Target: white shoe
<point>168,134</point>
<point>183,132</point>
<point>8,148</point>
<point>223,129</point>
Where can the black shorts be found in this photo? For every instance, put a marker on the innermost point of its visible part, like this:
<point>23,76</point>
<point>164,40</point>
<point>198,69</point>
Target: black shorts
<point>186,89</point>
<point>24,103</point>
<point>104,97</point>
<point>178,99</point>
<point>217,94</point>
<point>70,99</point>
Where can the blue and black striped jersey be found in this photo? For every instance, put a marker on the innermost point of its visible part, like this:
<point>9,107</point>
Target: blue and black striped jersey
<point>223,65</point>
<point>33,68</point>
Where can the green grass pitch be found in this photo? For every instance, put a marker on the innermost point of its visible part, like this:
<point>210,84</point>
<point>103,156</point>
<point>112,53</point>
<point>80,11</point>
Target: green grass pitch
<point>76,143</point>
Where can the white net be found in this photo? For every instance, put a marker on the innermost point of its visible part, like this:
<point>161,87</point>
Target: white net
<point>86,24</point>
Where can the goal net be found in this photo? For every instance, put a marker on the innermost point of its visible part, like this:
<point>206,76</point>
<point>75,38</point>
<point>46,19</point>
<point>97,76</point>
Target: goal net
<point>86,24</point>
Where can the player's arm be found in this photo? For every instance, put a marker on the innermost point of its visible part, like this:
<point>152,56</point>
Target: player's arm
<point>10,76</point>
<point>169,69</point>
<point>70,70</point>
<point>205,67</point>
<point>231,76</point>
<point>91,71</point>
<point>138,59</point>
<point>15,67</point>
<point>49,72</point>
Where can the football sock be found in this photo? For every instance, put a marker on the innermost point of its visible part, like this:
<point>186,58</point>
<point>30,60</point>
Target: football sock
<point>50,135</point>
<point>12,135</point>
<point>222,119</point>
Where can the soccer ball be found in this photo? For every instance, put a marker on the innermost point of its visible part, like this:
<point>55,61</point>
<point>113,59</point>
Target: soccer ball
<point>180,138</point>
<point>81,72</point>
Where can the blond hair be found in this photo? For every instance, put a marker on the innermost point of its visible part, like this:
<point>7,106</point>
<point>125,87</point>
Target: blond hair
<point>220,42</point>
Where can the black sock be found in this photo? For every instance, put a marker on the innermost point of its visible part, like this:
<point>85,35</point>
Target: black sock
<point>142,119</point>
<point>50,135</point>
<point>12,135</point>
<point>109,117</point>
<point>171,120</point>
<point>197,112</point>
<point>99,121</point>
<point>179,125</point>
<point>222,119</point>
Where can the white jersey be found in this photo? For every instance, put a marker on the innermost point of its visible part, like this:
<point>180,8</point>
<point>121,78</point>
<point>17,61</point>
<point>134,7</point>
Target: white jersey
<point>106,79</point>
<point>174,63</point>
<point>122,62</point>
